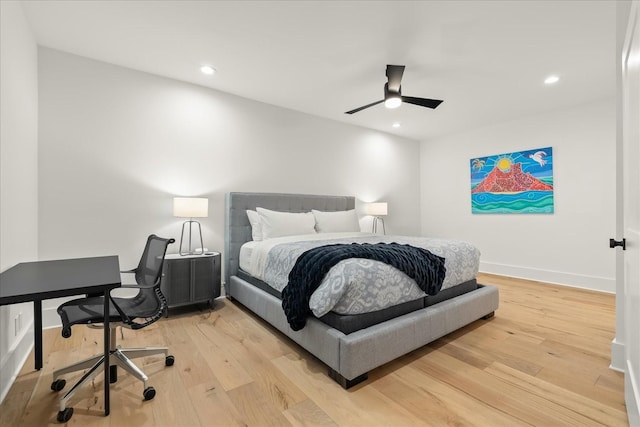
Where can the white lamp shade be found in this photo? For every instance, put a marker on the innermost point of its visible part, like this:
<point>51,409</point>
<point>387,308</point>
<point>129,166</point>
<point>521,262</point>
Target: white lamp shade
<point>377,209</point>
<point>190,207</point>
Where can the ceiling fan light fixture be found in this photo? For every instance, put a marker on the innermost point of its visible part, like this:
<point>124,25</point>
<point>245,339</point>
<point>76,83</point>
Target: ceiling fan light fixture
<point>393,102</point>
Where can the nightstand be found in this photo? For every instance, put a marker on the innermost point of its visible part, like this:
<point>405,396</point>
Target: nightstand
<point>191,279</point>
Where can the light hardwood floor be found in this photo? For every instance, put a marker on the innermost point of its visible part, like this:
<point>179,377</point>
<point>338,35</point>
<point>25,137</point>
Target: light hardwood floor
<point>543,360</point>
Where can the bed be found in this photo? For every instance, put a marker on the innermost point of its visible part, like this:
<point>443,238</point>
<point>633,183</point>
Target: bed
<point>350,345</point>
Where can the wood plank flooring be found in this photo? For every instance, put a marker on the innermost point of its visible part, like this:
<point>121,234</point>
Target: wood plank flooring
<point>543,360</point>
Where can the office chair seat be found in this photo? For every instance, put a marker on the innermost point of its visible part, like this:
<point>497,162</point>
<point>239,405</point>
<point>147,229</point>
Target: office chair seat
<point>146,307</point>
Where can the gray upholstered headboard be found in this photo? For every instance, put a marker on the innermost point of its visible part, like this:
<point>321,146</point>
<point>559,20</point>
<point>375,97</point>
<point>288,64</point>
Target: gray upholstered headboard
<point>237,227</point>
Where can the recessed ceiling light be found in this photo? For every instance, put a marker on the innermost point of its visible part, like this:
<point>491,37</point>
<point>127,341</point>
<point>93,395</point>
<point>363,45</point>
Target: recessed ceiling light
<point>396,125</point>
<point>208,70</point>
<point>551,80</point>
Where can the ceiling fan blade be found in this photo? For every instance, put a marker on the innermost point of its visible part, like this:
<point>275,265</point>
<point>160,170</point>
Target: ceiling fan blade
<point>366,106</point>
<point>423,102</point>
<point>394,74</point>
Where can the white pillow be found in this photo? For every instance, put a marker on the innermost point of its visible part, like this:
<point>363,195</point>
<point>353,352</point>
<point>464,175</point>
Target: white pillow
<point>334,222</point>
<point>256,225</point>
<point>278,224</point>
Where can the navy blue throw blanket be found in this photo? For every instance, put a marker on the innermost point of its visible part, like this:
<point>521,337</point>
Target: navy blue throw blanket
<point>310,268</point>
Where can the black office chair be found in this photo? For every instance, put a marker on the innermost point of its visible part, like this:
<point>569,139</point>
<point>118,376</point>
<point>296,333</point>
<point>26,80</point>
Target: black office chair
<point>135,313</point>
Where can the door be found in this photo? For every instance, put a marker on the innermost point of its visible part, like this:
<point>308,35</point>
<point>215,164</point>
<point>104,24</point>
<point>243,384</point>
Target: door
<point>631,196</point>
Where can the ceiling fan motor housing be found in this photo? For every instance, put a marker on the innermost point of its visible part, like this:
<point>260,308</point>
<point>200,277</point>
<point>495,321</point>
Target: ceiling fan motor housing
<point>391,93</point>
<point>392,98</point>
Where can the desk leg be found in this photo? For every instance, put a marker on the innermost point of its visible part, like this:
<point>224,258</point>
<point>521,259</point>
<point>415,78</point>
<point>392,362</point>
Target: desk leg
<point>107,380</point>
<point>37,333</point>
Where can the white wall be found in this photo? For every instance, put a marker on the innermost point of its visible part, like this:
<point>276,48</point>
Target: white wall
<point>567,247</point>
<point>18,178</point>
<point>116,145</point>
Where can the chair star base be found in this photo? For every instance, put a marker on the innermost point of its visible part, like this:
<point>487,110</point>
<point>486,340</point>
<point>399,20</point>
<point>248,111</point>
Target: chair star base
<point>117,357</point>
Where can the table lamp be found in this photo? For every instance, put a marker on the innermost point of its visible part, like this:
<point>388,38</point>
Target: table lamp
<point>377,210</point>
<point>191,207</point>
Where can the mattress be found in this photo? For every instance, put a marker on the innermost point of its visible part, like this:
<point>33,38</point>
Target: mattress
<point>348,323</point>
<point>355,286</point>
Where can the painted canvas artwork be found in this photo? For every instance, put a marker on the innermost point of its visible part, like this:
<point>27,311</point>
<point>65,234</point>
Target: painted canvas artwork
<point>519,182</point>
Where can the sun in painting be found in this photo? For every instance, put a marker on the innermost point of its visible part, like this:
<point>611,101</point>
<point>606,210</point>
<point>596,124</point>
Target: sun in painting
<point>504,164</point>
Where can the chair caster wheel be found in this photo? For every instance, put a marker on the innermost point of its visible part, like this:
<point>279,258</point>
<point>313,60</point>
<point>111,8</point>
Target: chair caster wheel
<point>149,393</point>
<point>64,416</point>
<point>169,360</point>
<point>58,385</point>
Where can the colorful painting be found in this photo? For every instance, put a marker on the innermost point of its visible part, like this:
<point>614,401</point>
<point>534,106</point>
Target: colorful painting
<point>520,182</point>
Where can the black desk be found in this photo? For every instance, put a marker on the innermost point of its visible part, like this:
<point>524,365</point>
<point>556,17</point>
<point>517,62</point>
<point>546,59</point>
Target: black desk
<point>40,280</point>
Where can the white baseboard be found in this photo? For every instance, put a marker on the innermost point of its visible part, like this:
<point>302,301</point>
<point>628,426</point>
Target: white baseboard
<point>618,362</point>
<point>12,362</point>
<point>632,396</point>
<point>594,283</point>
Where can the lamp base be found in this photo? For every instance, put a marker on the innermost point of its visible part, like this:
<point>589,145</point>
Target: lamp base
<point>189,250</point>
<point>375,225</point>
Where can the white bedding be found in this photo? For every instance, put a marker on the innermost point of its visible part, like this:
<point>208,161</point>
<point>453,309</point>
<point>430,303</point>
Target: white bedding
<point>253,255</point>
<point>356,286</point>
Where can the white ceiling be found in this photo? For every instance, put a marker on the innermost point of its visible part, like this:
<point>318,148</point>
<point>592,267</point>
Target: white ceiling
<point>485,59</point>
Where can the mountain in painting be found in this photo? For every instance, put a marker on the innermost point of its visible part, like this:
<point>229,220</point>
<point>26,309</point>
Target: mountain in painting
<point>511,181</point>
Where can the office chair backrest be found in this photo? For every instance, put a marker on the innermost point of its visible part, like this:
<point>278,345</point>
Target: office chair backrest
<point>149,304</point>
<point>149,269</point>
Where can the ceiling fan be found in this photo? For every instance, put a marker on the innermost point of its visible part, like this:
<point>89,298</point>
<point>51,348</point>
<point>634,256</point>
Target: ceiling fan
<point>393,93</point>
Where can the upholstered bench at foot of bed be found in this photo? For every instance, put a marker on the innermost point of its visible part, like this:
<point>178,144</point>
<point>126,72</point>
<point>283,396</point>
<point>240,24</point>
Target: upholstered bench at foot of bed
<point>352,356</point>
